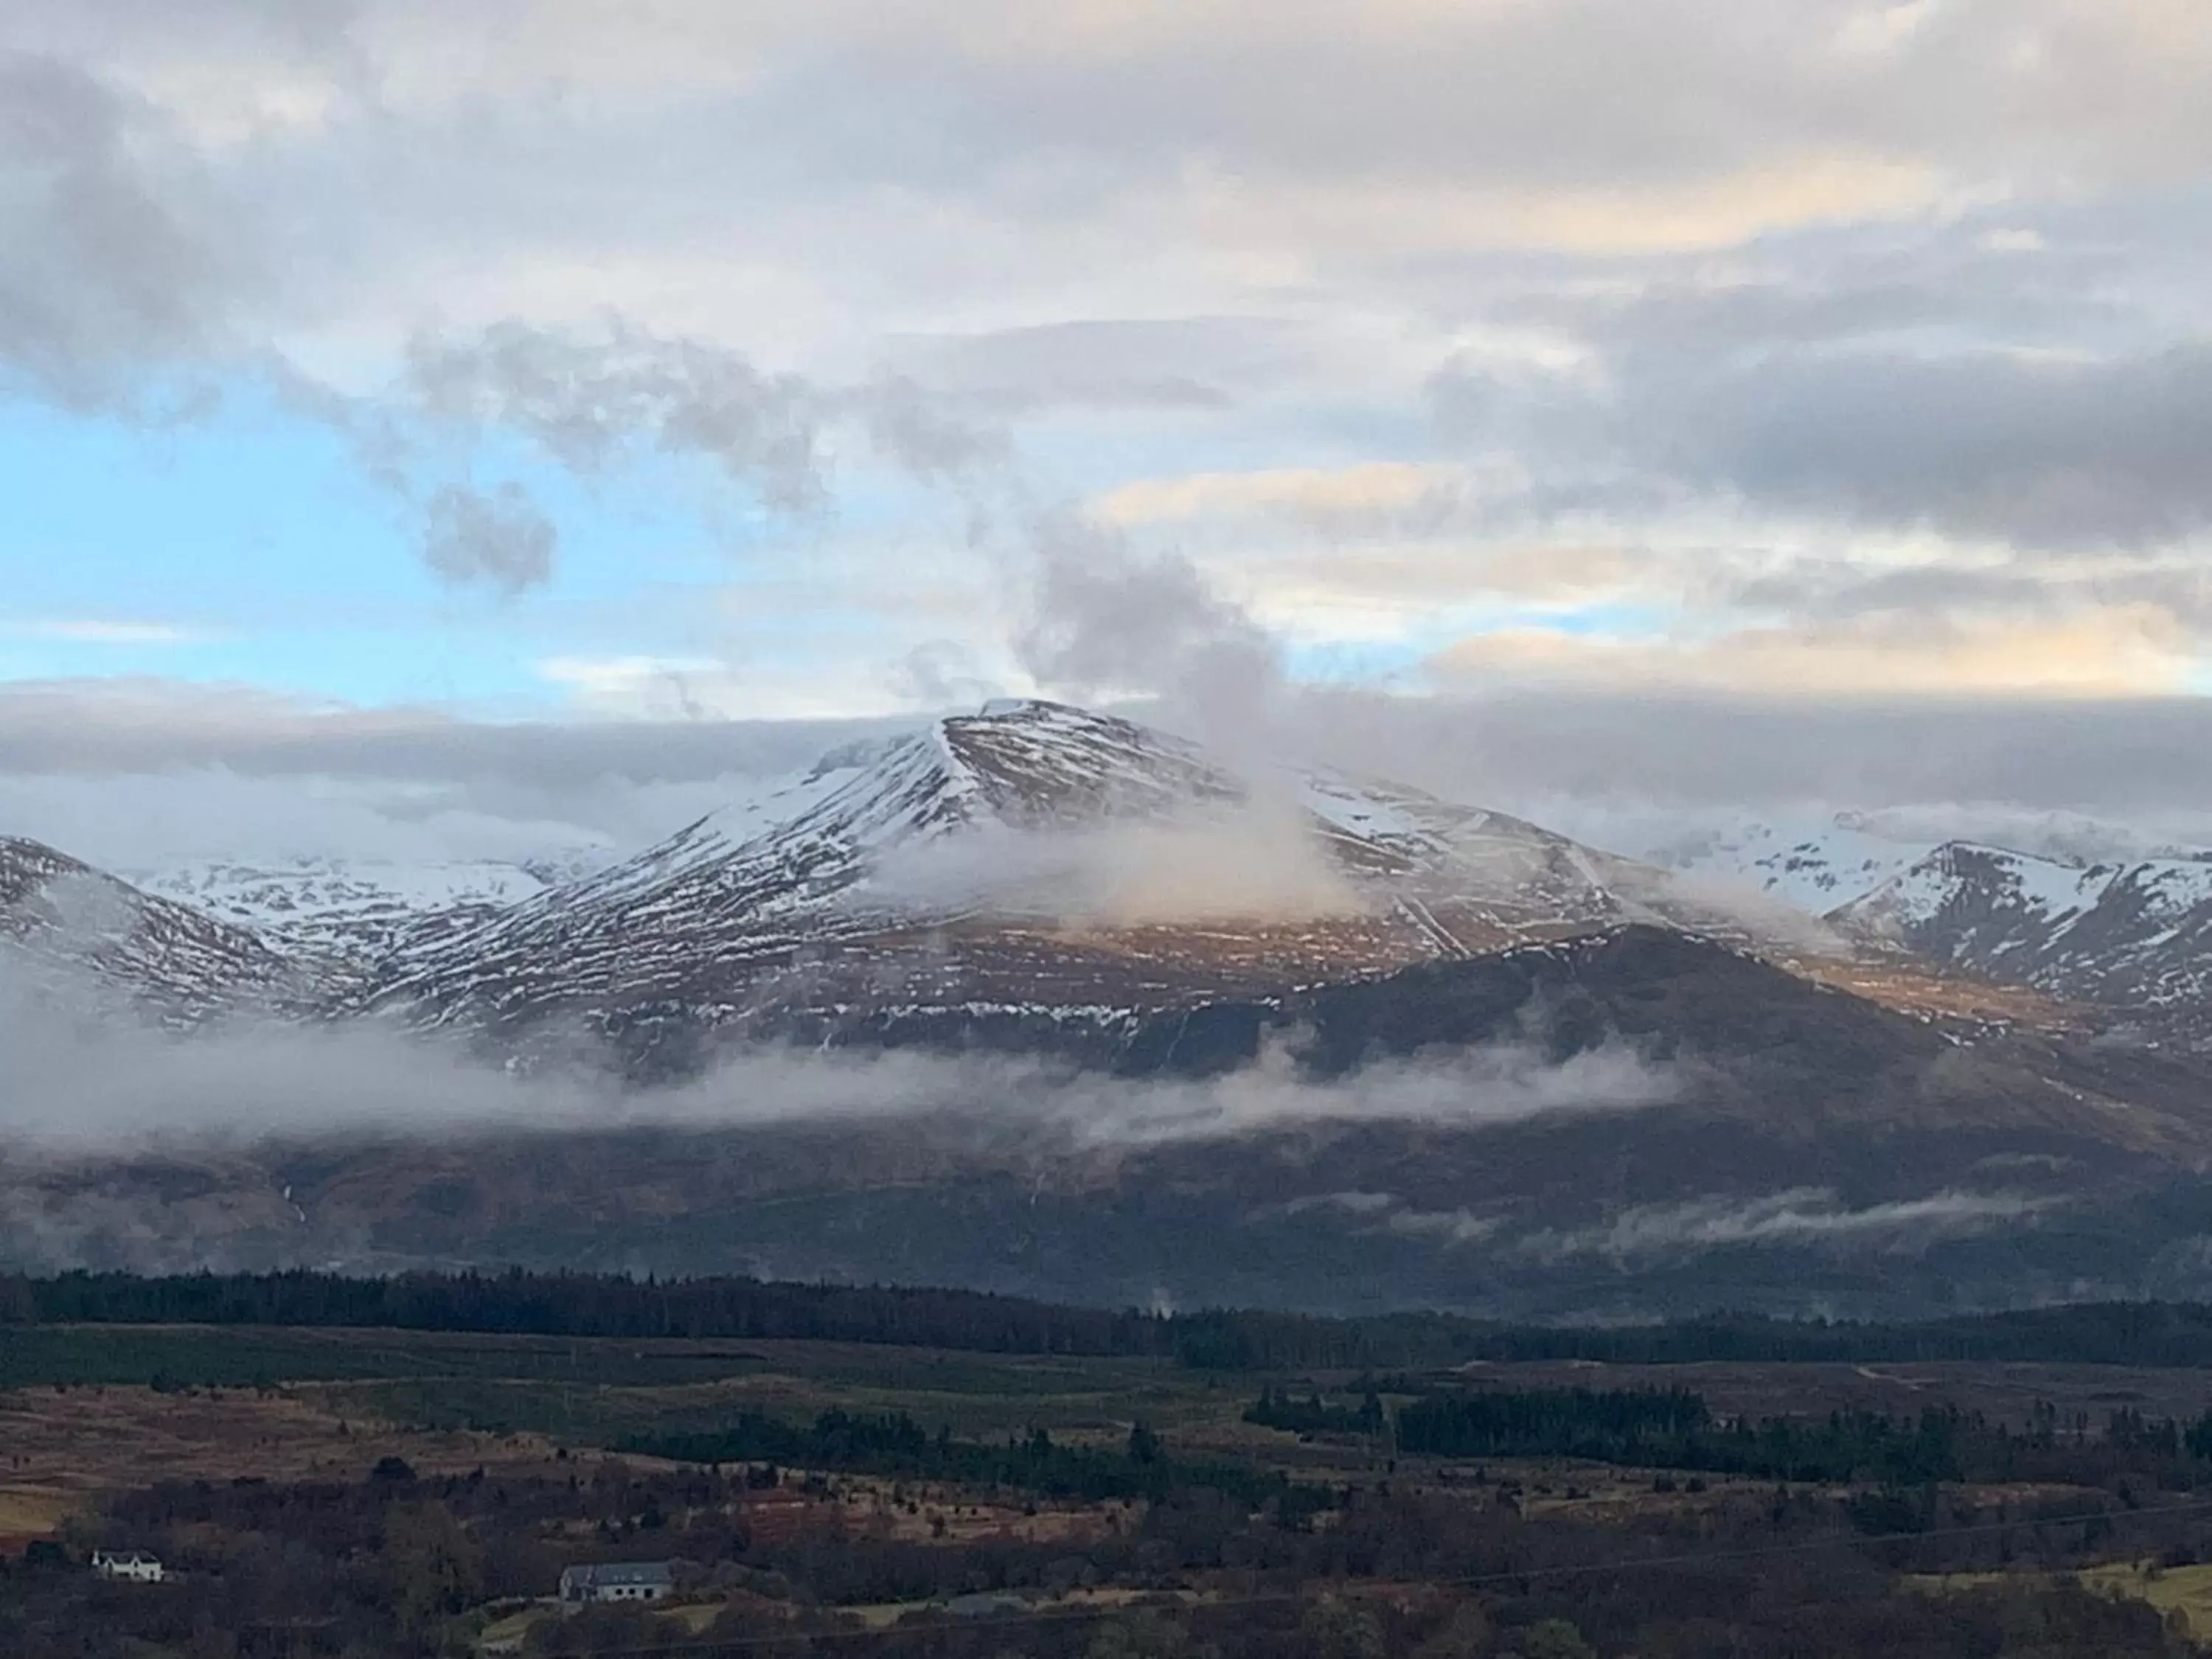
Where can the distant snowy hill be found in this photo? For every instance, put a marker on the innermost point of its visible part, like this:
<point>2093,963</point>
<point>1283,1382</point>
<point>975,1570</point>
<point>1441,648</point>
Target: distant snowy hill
<point>1818,861</point>
<point>1814,865</point>
<point>337,906</point>
<point>2136,933</point>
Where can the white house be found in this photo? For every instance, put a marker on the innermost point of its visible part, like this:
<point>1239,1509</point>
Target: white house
<point>134,1564</point>
<point>617,1581</point>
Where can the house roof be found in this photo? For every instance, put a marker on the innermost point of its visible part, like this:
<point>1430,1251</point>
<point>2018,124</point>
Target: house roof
<point>609,1575</point>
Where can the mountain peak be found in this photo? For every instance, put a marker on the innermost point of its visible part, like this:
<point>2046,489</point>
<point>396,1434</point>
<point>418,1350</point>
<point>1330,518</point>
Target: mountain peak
<point>1030,856</point>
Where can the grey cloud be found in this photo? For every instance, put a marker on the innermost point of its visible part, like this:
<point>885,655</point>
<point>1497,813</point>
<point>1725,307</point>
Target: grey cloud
<point>93,727</point>
<point>587,400</point>
<point>1106,619</point>
<point>582,399</point>
<point>83,763</point>
<point>2039,452</point>
<point>2030,89</point>
<point>2035,410</point>
<point>940,674</point>
<point>114,265</point>
<point>1818,590</point>
<point>1188,363</point>
<point>1821,590</point>
<point>2117,757</point>
<point>501,539</point>
<point>911,427</point>
<point>144,822</point>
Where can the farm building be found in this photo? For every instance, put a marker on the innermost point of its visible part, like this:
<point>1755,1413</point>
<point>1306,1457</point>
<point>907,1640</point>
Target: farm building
<point>617,1581</point>
<point>134,1564</point>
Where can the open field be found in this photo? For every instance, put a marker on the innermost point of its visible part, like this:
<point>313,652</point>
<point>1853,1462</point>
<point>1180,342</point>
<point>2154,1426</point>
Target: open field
<point>2185,1590</point>
<point>61,1449</point>
<point>85,1414</point>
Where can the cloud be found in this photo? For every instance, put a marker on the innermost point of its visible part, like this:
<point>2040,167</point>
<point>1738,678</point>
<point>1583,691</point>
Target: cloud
<point>116,267</point>
<point>1804,1217</point>
<point>1806,404</point>
<point>1186,365</point>
<point>1245,863</point>
<point>1916,269</point>
<point>101,631</point>
<point>132,774</point>
<point>78,1086</point>
<point>1321,497</point>
<point>940,674</point>
<point>501,539</point>
<point>1859,355</point>
<point>583,400</point>
<point>2042,452</point>
<point>2135,651</point>
<point>1106,621</point>
<point>1446,1226</point>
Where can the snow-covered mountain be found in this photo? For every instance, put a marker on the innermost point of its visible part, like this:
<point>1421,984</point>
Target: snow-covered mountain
<point>1029,861</point>
<point>69,930</point>
<point>1035,863</point>
<point>2136,933</point>
<point>339,906</point>
<point>1818,860</point>
<point>1813,863</point>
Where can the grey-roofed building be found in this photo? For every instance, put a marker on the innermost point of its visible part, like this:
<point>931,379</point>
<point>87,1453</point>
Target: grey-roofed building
<point>617,1581</point>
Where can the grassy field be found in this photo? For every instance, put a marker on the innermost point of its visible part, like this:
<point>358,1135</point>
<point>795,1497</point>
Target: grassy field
<point>239,1356</point>
<point>2184,1590</point>
<point>62,1448</point>
<point>597,1390</point>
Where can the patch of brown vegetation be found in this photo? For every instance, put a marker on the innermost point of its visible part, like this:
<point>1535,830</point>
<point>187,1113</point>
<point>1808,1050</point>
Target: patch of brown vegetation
<point>933,1514</point>
<point>60,1449</point>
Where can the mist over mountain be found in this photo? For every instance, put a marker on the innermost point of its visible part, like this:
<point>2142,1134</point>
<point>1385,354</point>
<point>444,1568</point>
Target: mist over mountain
<point>1044,999</point>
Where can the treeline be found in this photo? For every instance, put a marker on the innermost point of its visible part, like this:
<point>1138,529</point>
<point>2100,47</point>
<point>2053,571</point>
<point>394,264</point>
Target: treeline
<point>1280,1409</point>
<point>1612,1426</point>
<point>586,1305</point>
<point>1673,1429</point>
<point>892,1443</point>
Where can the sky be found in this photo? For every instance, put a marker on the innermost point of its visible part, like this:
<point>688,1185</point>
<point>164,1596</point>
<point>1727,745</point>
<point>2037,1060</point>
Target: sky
<point>487,423</point>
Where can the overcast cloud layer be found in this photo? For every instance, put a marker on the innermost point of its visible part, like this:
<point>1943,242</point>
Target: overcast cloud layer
<point>1680,403</point>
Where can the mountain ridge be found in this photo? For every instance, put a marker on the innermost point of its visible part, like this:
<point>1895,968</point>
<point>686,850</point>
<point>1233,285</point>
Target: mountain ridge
<point>2123,934</point>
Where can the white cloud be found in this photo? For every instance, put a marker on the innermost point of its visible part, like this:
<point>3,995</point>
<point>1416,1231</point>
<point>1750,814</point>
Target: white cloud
<point>2122,652</point>
<point>1806,1217</point>
<point>96,631</point>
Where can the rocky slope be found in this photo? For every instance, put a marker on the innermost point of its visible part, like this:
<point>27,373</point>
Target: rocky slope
<point>2137,935</point>
<point>71,933</point>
